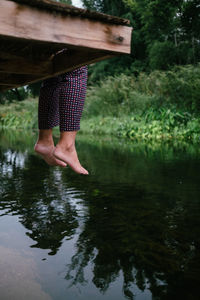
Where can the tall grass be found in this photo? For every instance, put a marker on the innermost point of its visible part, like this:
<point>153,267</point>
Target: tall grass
<point>19,115</point>
<point>159,105</point>
<point>116,96</point>
<point>126,94</point>
<point>156,106</point>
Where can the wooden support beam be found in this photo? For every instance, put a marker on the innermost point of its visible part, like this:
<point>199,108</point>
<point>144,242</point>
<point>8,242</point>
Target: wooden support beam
<point>52,5</point>
<point>66,61</point>
<point>16,80</point>
<point>61,63</point>
<point>4,88</point>
<point>31,23</point>
<point>28,49</point>
<point>10,63</point>
<point>32,33</point>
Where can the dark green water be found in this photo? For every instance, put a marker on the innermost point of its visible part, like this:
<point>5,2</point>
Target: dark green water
<point>130,230</point>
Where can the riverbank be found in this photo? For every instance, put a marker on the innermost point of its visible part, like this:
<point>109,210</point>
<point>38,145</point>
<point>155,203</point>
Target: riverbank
<point>165,124</point>
<point>143,194</point>
<point>136,127</point>
<point>156,106</point>
<point>19,114</point>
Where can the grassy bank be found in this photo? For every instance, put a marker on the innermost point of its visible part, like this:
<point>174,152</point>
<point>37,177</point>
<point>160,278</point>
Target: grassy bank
<point>174,125</point>
<point>19,115</point>
<point>159,105</point>
<point>155,106</point>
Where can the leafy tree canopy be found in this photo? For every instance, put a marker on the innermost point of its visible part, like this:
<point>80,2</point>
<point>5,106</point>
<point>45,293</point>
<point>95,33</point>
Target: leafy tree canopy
<point>166,33</point>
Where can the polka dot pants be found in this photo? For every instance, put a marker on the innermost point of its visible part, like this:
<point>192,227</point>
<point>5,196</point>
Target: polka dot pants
<point>62,99</point>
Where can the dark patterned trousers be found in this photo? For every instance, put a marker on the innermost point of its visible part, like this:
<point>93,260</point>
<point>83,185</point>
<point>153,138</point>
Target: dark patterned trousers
<point>62,99</point>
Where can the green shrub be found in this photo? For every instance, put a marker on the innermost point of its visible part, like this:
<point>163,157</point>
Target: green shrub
<point>162,55</point>
<point>116,96</point>
<point>129,94</point>
<point>180,86</point>
<point>19,114</point>
<point>160,105</point>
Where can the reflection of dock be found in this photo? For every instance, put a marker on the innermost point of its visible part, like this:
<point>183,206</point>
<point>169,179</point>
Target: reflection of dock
<point>32,31</point>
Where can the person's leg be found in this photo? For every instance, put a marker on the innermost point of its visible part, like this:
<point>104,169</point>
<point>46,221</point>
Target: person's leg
<point>65,151</point>
<point>71,102</point>
<point>48,117</point>
<point>45,148</point>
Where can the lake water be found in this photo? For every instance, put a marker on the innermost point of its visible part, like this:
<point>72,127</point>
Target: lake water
<point>129,230</point>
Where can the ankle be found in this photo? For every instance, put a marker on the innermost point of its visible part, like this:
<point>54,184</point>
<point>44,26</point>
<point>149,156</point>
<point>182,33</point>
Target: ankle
<point>45,137</point>
<point>69,146</point>
<point>46,142</point>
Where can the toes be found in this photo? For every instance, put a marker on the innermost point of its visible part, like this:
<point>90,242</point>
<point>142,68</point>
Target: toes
<point>60,163</point>
<point>84,171</point>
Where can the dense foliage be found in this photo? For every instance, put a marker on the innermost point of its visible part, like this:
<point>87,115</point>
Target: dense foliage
<point>162,105</point>
<point>154,93</point>
<point>159,105</point>
<point>166,33</point>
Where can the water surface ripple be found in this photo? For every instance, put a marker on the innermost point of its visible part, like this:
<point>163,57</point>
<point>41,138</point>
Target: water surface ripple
<point>130,230</point>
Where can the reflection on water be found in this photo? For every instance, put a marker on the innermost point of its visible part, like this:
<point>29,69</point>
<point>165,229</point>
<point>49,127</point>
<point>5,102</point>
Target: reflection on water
<point>18,277</point>
<point>130,230</point>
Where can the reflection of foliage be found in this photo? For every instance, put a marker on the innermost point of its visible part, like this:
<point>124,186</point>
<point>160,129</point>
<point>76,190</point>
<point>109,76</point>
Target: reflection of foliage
<point>135,236</point>
<point>41,204</point>
<point>20,140</point>
<point>141,222</point>
<point>50,226</point>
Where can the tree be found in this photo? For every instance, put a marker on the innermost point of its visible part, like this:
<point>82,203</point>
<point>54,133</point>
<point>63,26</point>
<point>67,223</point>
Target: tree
<point>65,1</point>
<point>162,55</point>
<point>165,33</point>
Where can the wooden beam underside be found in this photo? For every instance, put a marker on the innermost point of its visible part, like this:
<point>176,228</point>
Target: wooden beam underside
<point>31,41</point>
<point>16,70</point>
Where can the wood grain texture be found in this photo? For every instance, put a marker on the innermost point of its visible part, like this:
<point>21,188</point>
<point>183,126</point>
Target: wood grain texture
<point>10,63</point>
<point>67,60</point>
<point>60,64</point>
<point>5,87</point>
<point>16,80</point>
<point>31,37</point>
<point>50,5</point>
<point>21,21</point>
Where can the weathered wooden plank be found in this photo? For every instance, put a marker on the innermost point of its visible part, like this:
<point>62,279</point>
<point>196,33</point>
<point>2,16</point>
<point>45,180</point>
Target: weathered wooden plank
<point>66,61</point>
<point>22,21</point>
<point>61,63</point>
<point>5,87</point>
<point>10,63</point>
<point>30,50</point>
<point>31,36</point>
<point>16,80</point>
<point>74,11</point>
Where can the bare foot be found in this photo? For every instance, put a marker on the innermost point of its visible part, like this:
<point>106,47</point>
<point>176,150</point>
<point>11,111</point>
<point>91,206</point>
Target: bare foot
<point>69,156</point>
<point>47,154</point>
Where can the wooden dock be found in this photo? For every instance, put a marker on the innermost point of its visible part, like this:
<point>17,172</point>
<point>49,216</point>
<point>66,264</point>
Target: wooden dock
<point>33,33</point>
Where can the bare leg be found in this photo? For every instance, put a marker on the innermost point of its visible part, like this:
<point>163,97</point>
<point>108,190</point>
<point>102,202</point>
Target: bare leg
<point>65,150</point>
<point>45,147</point>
